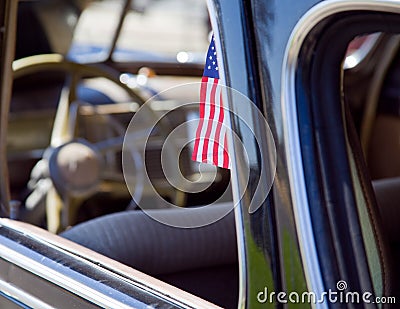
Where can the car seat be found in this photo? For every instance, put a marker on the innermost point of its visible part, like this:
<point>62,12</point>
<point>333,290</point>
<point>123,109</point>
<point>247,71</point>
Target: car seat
<point>201,260</point>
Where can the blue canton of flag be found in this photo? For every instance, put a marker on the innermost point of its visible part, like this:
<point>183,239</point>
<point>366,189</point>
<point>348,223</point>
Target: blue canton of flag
<point>211,67</point>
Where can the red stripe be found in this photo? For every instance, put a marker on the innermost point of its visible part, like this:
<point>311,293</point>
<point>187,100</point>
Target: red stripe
<point>226,156</point>
<point>210,120</point>
<point>218,131</point>
<point>203,89</point>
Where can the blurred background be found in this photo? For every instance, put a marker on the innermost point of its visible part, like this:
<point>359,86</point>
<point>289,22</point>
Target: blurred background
<point>82,69</point>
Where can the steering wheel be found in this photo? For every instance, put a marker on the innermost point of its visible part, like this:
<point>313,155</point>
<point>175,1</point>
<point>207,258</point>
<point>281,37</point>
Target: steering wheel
<point>72,169</point>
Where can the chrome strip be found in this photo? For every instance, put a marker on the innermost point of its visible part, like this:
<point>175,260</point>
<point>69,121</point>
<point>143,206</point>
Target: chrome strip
<point>234,172</point>
<point>61,280</point>
<point>19,295</point>
<point>291,133</point>
<point>138,279</point>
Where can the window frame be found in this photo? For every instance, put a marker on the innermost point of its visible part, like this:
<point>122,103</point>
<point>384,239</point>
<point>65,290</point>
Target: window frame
<point>322,176</point>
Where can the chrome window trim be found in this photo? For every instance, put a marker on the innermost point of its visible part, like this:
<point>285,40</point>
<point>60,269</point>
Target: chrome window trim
<point>239,224</point>
<point>18,295</point>
<point>107,265</point>
<point>291,130</point>
<point>59,279</point>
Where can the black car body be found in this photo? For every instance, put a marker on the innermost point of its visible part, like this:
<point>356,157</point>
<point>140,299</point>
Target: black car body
<point>325,235</point>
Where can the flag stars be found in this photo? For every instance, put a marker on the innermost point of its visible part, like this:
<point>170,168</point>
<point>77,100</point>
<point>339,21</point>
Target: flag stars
<point>211,66</point>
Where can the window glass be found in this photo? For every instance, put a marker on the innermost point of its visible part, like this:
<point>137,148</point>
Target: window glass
<point>175,30</point>
<point>371,79</point>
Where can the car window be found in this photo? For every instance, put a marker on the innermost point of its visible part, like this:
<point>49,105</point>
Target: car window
<point>376,123</point>
<point>151,31</point>
<point>74,98</point>
<point>375,112</point>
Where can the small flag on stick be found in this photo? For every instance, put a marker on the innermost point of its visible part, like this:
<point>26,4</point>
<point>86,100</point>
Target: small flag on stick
<point>211,142</point>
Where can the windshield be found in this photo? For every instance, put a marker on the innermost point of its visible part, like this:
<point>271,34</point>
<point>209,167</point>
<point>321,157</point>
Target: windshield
<point>151,31</point>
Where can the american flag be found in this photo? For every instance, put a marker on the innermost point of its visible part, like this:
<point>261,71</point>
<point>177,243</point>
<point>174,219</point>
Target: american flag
<point>210,145</point>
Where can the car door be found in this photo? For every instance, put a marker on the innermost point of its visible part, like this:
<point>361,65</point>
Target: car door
<point>322,229</point>
<point>40,270</point>
<point>318,226</point>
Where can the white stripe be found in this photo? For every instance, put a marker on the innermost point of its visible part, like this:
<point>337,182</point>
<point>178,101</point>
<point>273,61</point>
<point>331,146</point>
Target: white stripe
<point>210,150</point>
<point>203,132</point>
<point>222,138</point>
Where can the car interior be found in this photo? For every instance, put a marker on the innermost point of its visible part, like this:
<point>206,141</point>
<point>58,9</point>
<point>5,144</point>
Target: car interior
<point>77,84</point>
<point>370,86</point>
<point>81,88</point>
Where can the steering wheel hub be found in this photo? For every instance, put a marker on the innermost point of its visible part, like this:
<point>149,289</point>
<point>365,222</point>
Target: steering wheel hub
<point>75,168</point>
